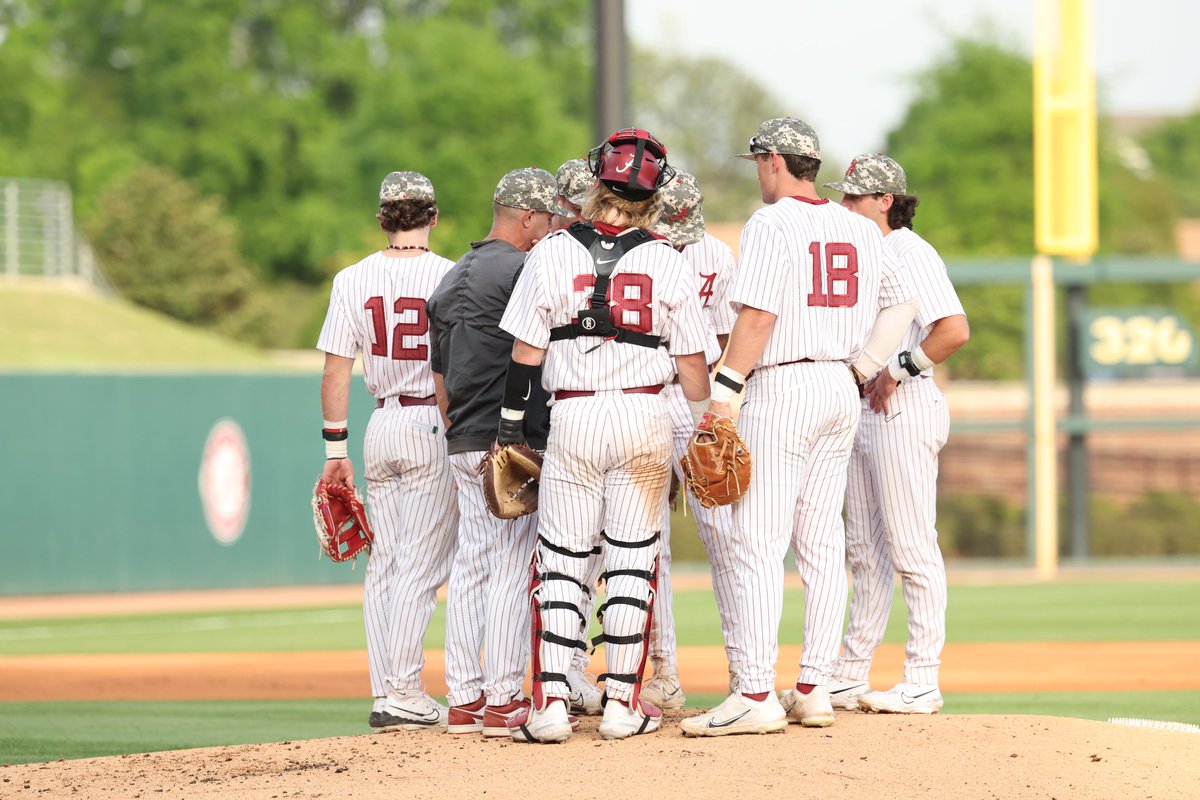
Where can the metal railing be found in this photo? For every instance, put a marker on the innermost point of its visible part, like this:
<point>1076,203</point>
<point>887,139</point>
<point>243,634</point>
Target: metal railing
<point>37,233</point>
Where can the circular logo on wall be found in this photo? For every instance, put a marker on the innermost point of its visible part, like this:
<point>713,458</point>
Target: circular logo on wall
<point>225,481</point>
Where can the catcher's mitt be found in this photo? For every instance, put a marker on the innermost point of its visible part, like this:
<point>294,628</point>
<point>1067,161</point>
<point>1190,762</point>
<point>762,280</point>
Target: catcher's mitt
<point>340,520</point>
<point>716,466</point>
<point>510,480</point>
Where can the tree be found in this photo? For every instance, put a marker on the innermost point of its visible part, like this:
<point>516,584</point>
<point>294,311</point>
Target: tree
<point>704,110</point>
<point>966,143</point>
<point>167,247</point>
<point>1174,150</point>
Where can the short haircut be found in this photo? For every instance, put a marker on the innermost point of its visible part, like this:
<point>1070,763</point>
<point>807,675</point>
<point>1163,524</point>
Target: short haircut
<point>801,167</point>
<point>904,208</point>
<point>406,215</point>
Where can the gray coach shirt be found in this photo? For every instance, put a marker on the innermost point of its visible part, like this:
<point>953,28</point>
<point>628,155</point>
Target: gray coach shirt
<point>467,347</point>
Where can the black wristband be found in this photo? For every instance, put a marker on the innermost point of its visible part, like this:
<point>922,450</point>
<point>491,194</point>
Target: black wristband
<point>906,363</point>
<point>729,382</point>
<point>335,436</point>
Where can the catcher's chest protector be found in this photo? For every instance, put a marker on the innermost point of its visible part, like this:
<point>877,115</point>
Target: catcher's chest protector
<point>596,319</point>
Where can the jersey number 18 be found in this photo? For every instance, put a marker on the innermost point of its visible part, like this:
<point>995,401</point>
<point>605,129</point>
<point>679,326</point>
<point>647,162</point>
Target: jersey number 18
<point>838,270</point>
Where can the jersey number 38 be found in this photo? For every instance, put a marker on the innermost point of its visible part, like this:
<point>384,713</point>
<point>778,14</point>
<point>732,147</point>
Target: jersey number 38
<point>834,277</point>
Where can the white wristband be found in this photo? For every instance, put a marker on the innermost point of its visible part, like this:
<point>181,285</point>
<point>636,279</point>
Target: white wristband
<point>335,426</point>
<point>722,393</point>
<point>897,372</point>
<point>336,450</point>
<point>698,408</point>
<point>920,360</point>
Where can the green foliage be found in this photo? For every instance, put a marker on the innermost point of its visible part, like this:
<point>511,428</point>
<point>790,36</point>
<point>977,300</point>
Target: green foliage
<point>980,526</point>
<point>168,248</point>
<point>276,316</point>
<point>966,143</point>
<point>1174,150</point>
<point>705,110</point>
<point>293,113</point>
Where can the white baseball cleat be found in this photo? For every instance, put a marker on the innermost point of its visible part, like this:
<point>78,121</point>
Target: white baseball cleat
<point>844,692</point>
<point>738,714</point>
<point>586,699</point>
<point>622,721</point>
<point>664,691</point>
<point>904,698</point>
<point>549,725</point>
<point>812,710</point>
<point>411,710</point>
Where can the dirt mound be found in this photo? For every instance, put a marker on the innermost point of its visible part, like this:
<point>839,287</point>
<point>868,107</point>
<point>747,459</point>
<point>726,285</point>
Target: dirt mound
<point>862,756</point>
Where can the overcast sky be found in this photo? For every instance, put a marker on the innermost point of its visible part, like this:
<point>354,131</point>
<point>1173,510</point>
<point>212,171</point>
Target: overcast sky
<point>850,77</point>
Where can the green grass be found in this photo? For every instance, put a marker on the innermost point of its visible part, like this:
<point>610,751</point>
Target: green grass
<point>1041,612</point>
<point>45,326</point>
<point>49,731</point>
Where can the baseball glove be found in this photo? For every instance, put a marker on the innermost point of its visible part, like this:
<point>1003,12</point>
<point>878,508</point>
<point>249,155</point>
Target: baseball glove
<point>510,480</point>
<point>716,466</point>
<point>340,520</point>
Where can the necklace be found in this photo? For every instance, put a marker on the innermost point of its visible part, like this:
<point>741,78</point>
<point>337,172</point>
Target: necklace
<point>408,247</point>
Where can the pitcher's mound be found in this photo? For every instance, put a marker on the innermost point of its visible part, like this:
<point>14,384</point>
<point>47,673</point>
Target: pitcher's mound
<point>862,756</point>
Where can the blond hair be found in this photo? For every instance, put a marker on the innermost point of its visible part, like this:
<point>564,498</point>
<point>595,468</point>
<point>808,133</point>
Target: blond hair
<point>600,204</point>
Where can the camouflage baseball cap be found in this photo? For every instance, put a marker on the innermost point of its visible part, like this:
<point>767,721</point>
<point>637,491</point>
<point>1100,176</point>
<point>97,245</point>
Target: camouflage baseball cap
<point>872,173</point>
<point>786,136</point>
<point>574,178</point>
<point>682,217</point>
<point>406,186</point>
<point>530,188</point>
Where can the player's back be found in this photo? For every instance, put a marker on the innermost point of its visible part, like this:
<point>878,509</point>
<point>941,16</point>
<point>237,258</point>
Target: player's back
<point>649,291</point>
<point>382,310</point>
<point>821,269</point>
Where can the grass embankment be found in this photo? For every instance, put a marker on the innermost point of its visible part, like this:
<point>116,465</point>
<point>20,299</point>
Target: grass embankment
<point>49,325</point>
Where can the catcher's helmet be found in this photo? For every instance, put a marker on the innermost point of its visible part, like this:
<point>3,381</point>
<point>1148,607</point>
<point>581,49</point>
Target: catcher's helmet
<point>632,163</point>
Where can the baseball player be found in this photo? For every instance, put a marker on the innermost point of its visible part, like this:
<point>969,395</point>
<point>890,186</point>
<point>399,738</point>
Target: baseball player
<point>891,498</point>
<point>613,313</point>
<point>377,306</point>
<point>574,179</point>
<point>815,292</point>
<point>710,260</point>
<point>487,619</point>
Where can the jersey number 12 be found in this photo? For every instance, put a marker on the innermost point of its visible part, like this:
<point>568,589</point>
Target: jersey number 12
<point>839,266</point>
<point>418,327</point>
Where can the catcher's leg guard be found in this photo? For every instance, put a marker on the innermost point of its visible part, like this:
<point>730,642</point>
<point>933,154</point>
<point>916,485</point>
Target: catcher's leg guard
<point>555,590</point>
<point>635,556</point>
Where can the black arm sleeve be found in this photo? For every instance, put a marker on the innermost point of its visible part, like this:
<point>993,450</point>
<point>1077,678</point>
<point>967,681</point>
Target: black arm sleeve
<point>517,385</point>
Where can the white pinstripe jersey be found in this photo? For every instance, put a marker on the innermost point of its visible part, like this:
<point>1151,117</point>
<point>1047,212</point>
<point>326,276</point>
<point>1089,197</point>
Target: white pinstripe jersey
<point>378,306</point>
<point>927,274</point>
<point>651,291</point>
<point>823,271</point>
<point>712,261</point>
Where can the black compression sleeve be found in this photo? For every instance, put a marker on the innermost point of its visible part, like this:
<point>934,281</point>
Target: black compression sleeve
<point>517,385</point>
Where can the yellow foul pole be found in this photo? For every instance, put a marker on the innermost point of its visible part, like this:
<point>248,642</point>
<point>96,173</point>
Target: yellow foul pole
<point>1065,222</point>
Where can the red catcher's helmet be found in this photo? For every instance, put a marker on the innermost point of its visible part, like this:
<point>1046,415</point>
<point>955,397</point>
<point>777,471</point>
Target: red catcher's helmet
<point>632,163</point>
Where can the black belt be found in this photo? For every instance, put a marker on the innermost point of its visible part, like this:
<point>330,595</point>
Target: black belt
<point>406,400</point>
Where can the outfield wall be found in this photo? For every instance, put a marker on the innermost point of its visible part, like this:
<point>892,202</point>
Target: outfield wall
<point>100,481</point>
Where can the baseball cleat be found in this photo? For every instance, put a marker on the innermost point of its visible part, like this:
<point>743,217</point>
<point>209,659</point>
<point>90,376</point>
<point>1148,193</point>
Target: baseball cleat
<point>586,699</point>
<point>664,691</point>
<point>550,725</point>
<point>812,710</point>
<point>411,710</point>
<point>904,698</point>
<point>466,718</point>
<point>844,692</point>
<point>622,721</point>
<point>738,714</point>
